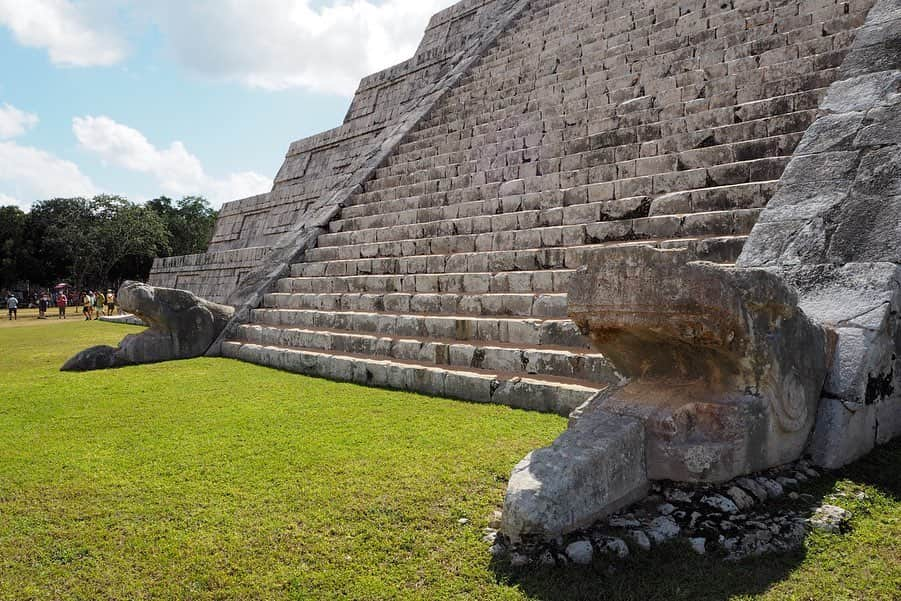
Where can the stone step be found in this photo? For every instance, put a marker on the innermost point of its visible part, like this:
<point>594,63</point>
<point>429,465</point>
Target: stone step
<point>535,209</point>
<point>721,127</point>
<point>487,220</point>
<point>688,141</point>
<point>747,196</point>
<point>525,282</point>
<point>714,223</point>
<point>504,330</point>
<point>740,154</point>
<point>536,393</point>
<point>509,358</point>
<point>769,117</point>
<point>718,249</point>
<point>523,305</point>
<point>651,176</point>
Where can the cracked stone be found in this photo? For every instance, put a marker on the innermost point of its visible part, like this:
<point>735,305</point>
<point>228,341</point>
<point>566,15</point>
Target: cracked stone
<point>829,518</point>
<point>741,499</point>
<point>580,552</point>
<point>640,539</point>
<point>663,529</point>
<point>721,503</point>
<point>773,489</point>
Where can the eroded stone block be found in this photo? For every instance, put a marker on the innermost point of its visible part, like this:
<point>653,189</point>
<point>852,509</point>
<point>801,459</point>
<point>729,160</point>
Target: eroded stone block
<point>725,368</point>
<point>591,470</point>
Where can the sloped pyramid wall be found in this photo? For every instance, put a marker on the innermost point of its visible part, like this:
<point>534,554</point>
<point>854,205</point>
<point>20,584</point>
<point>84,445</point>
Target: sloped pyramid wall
<point>316,168</point>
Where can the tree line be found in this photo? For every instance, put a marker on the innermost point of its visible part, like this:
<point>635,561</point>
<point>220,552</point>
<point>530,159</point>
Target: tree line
<point>97,242</point>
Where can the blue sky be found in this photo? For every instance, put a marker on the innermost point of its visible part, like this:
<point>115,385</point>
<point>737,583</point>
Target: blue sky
<point>190,97</point>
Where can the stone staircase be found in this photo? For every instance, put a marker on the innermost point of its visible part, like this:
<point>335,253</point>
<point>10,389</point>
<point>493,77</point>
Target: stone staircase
<point>586,126</point>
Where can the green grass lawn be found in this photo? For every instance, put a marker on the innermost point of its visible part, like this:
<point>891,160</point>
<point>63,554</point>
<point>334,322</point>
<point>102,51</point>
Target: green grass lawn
<point>214,479</point>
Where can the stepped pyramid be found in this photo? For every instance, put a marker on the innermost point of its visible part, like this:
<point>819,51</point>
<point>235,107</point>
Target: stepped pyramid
<point>430,242</point>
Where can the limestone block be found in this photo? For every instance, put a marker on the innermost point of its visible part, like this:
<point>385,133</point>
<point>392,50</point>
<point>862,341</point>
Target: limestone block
<point>469,387</point>
<point>726,370</point>
<point>591,470</point>
<point>844,432</point>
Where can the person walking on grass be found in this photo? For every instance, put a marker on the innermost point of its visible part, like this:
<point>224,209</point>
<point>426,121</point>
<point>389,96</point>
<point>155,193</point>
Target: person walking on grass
<point>62,301</point>
<point>98,304</point>
<point>88,304</point>
<point>43,303</point>
<point>110,302</point>
<point>12,303</point>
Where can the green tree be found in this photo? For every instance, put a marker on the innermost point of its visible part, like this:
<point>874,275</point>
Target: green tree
<point>85,240</point>
<point>12,244</point>
<point>58,236</point>
<point>189,221</point>
<point>122,230</point>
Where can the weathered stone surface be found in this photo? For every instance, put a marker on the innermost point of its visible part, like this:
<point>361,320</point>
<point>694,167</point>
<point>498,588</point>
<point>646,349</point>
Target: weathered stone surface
<point>126,319</point>
<point>580,552</point>
<point>181,326</point>
<point>830,518</point>
<point>592,469</point>
<point>319,173</point>
<point>833,231</point>
<point>725,368</point>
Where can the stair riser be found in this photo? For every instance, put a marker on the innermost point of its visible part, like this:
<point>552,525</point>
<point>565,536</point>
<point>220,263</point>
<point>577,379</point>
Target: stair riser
<point>563,364</point>
<point>676,149</point>
<point>521,282</point>
<point>519,305</point>
<point>718,250</point>
<point>526,211</point>
<point>530,332</point>
<point>735,223</point>
<point>518,393</point>
<point>488,222</point>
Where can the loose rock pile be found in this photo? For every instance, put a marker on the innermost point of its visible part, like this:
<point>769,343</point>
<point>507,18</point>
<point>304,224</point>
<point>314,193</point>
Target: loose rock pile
<point>746,517</point>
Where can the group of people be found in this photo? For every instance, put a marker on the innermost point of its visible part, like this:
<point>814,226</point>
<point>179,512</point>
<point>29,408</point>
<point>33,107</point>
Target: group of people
<point>93,303</point>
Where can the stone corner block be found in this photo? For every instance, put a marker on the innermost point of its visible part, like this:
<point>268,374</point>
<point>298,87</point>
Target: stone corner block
<point>591,470</point>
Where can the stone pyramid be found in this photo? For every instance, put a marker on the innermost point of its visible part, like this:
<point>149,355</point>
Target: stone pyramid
<point>529,147</point>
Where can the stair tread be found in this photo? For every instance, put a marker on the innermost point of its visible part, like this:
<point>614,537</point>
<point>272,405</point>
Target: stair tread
<point>424,339</point>
<point>600,245</point>
<point>382,243</point>
<point>454,316</point>
<point>500,375</point>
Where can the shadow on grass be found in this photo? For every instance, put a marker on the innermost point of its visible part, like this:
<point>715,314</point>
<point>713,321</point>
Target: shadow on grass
<point>675,572</point>
<point>670,573</point>
<point>880,469</point>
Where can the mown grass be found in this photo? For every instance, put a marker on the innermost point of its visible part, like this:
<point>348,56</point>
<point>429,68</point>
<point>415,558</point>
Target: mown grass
<point>214,479</point>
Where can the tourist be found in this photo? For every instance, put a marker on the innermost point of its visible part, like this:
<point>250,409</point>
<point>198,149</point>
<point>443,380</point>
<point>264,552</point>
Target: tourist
<point>43,303</point>
<point>88,303</point>
<point>110,302</point>
<point>62,301</point>
<point>12,303</point>
<point>98,304</point>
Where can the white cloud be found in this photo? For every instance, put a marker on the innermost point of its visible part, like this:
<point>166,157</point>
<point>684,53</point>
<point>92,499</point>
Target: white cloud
<point>15,122</point>
<point>279,44</point>
<point>6,201</point>
<point>177,171</point>
<point>268,44</point>
<point>73,33</point>
<point>36,174</point>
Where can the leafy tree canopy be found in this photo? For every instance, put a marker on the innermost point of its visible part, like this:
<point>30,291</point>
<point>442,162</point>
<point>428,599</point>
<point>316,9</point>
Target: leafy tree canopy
<point>96,242</point>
